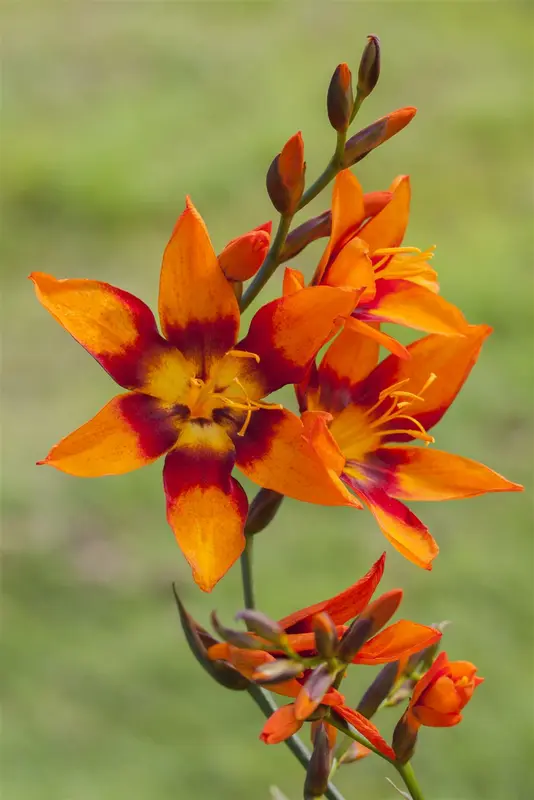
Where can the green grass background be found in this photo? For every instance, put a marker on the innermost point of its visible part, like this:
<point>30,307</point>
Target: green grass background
<point>113,111</point>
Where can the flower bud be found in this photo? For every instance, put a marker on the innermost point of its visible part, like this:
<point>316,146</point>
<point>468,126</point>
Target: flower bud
<point>318,769</point>
<point>285,177</point>
<point>340,98</point>
<point>243,256</point>
<point>378,690</point>
<point>355,752</point>
<point>262,511</point>
<point>326,639</point>
<point>313,691</point>
<point>369,70</point>
<point>305,234</point>
<point>375,134</point>
<point>199,640</point>
<point>238,638</point>
<point>261,624</point>
<point>404,740</point>
<point>283,669</point>
<point>368,623</point>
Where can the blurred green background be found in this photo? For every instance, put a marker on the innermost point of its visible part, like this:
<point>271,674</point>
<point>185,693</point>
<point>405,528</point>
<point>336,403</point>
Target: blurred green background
<point>113,111</point>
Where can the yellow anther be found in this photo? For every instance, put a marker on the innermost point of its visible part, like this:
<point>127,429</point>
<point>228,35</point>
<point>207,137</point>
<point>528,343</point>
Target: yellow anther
<point>244,354</point>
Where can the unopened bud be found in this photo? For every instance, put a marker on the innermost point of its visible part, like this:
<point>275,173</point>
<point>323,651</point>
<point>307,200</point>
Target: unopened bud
<point>285,177</point>
<point>370,621</point>
<point>305,234</point>
<point>199,640</point>
<point>378,690</point>
<point>262,511</point>
<point>369,70</point>
<point>326,639</point>
<point>261,624</point>
<point>313,691</point>
<point>238,638</point>
<point>404,740</point>
<point>243,256</point>
<point>355,752</point>
<point>340,98</point>
<point>318,769</point>
<point>283,669</point>
<point>375,134</point>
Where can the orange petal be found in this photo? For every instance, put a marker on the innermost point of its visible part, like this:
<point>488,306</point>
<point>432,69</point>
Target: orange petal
<point>206,507</point>
<point>442,696</point>
<point>247,662</point>
<point>275,453</point>
<point>197,306</point>
<point>387,228</point>
<point>436,719</point>
<point>316,430</point>
<point>374,332</point>
<point>405,303</point>
<point>397,641</point>
<point>280,725</point>
<point>349,359</point>
<point>367,729</point>
<point>244,255</point>
<point>352,267</point>
<point>348,212</point>
<point>439,667</point>
<point>114,326</point>
<point>130,431</point>
<point>293,281</point>
<point>426,474</point>
<point>343,606</point>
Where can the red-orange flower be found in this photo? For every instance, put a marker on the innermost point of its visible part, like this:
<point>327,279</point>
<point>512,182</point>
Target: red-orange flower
<point>439,697</point>
<point>358,410</point>
<point>195,396</point>
<point>243,256</point>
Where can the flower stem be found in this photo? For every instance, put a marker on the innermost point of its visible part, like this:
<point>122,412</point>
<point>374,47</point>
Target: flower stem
<point>333,167</point>
<point>246,574</point>
<point>270,264</point>
<point>410,781</point>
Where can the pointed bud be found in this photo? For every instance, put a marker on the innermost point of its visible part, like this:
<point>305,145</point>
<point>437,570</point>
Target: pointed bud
<point>199,640</point>
<point>355,752</point>
<point>313,691</point>
<point>305,234</point>
<point>285,177</point>
<point>369,70</point>
<point>375,134</point>
<point>404,740</point>
<point>318,769</point>
<point>340,98</point>
<point>238,638</point>
<point>262,511</point>
<point>243,256</point>
<point>378,690</point>
<point>370,621</point>
<point>261,624</point>
<point>283,669</point>
<point>326,639</point>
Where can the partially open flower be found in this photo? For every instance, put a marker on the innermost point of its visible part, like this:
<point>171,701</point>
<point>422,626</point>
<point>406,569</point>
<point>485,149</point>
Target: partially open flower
<point>243,256</point>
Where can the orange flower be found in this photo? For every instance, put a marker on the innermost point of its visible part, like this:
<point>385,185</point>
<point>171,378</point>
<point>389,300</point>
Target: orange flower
<point>440,695</point>
<point>398,283</point>
<point>243,256</point>
<point>357,410</point>
<point>195,396</point>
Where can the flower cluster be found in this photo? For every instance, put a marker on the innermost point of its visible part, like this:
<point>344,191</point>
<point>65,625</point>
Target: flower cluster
<point>196,394</point>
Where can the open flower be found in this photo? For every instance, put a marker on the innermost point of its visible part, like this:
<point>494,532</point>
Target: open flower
<point>195,396</point>
<point>357,411</point>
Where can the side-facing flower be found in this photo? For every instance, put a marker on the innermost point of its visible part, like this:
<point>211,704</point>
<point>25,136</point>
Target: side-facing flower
<point>357,413</point>
<point>195,396</point>
<point>243,256</point>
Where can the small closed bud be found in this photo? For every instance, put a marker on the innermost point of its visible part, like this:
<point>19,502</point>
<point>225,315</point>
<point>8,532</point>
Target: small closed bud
<point>261,624</point>
<point>340,98</point>
<point>326,639</point>
<point>378,690</point>
<point>370,621</point>
<point>199,641</point>
<point>238,638</point>
<point>243,256</point>
<point>313,691</point>
<point>318,769</point>
<point>283,669</point>
<point>305,234</point>
<point>404,740</point>
<point>355,752</point>
<point>285,177</point>
<point>262,511</point>
<point>369,70</point>
<point>375,134</point>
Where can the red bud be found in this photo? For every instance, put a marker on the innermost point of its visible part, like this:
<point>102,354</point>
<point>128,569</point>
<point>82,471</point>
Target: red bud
<point>340,98</point>
<point>243,256</point>
<point>285,177</point>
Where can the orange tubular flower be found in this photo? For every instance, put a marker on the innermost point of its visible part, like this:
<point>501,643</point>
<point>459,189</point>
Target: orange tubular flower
<point>366,253</point>
<point>442,692</point>
<point>195,396</point>
<point>356,411</point>
<point>243,256</point>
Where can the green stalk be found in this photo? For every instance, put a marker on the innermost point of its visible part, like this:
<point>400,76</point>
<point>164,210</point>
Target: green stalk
<point>246,574</point>
<point>269,265</point>
<point>408,776</point>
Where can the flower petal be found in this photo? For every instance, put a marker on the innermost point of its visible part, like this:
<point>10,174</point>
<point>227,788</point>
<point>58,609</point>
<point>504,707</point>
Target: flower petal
<point>114,326</point>
<point>130,431</point>
<point>247,662</point>
<point>280,725</point>
<point>440,666</point>
<point>398,524</point>
<point>374,332</point>
<point>287,333</point>
<point>348,212</point>
<point>436,719</point>
<point>206,507</point>
<point>343,606</point>
<point>275,454</point>
<point>366,728</point>
<point>352,267</point>
<point>426,474</point>
<point>293,281</point>
<point>349,359</point>
<point>387,228</point>
<point>397,641</point>
<point>198,310</point>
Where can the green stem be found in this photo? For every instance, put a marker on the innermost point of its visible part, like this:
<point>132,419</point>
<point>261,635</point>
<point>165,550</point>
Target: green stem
<point>333,167</point>
<point>246,574</point>
<point>410,781</point>
<point>270,264</point>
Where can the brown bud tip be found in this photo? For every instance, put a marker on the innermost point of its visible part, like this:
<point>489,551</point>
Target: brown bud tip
<point>404,740</point>
<point>318,769</point>
<point>262,511</point>
<point>326,639</point>
<point>285,177</point>
<point>369,70</point>
<point>368,623</point>
<point>238,638</point>
<point>313,691</point>
<point>282,669</point>
<point>340,98</point>
<point>375,134</point>
<point>261,624</point>
<point>243,256</point>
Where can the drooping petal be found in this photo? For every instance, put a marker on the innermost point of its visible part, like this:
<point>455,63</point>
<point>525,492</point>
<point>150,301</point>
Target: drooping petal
<point>397,641</point>
<point>281,725</point>
<point>348,212</point>
<point>114,326</point>
<point>130,431</point>
<point>206,507</point>
<point>387,228</point>
<point>348,360</point>
<point>450,358</point>
<point>423,473</point>
<point>275,454</point>
<point>198,310</point>
<point>287,333</point>
<point>366,728</point>
<point>343,606</point>
<point>405,303</point>
<point>398,524</point>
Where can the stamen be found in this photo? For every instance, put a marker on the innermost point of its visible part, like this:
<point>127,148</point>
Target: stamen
<point>249,407</point>
<point>395,393</point>
<point>392,251</point>
<point>244,354</point>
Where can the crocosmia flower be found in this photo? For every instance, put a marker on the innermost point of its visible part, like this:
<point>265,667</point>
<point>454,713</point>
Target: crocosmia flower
<point>357,413</point>
<point>195,396</point>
